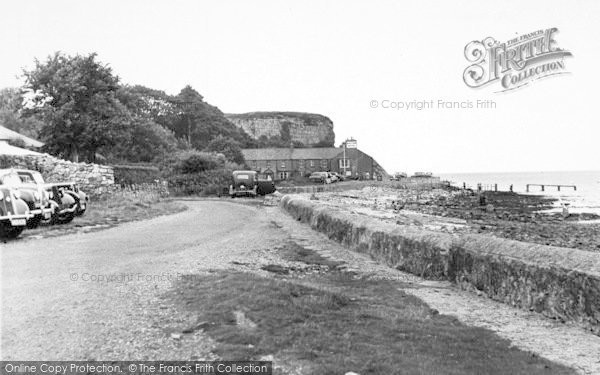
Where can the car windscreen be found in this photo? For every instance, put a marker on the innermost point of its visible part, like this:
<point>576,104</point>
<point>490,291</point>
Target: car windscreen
<point>11,180</point>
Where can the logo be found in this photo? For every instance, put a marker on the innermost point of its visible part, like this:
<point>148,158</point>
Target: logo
<point>514,63</point>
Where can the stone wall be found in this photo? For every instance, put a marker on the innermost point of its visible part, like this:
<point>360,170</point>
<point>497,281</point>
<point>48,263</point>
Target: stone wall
<point>307,128</point>
<point>561,283</point>
<point>93,179</point>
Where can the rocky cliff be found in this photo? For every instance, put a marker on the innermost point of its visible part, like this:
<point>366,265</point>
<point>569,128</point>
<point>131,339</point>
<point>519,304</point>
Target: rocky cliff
<point>284,127</point>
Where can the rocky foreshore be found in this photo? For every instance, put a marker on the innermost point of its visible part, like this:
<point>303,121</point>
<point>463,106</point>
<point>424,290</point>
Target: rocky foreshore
<point>502,214</point>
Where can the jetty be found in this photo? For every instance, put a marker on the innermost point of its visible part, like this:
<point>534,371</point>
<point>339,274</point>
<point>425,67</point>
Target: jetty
<point>556,186</point>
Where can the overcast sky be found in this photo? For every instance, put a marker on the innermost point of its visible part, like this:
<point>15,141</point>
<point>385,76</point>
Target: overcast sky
<point>334,58</point>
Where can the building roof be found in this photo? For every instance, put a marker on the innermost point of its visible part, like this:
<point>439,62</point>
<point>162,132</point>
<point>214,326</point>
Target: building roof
<point>7,134</point>
<point>291,153</point>
<point>6,149</point>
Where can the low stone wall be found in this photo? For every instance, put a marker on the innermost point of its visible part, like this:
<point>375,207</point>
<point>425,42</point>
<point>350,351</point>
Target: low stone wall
<point>560,283</point>
<point>94,179</point>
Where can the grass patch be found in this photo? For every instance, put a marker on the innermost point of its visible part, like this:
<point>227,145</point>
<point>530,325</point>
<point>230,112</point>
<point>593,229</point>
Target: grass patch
<point>112,209</point>
<point>336,323</point>
<point>296,253</point>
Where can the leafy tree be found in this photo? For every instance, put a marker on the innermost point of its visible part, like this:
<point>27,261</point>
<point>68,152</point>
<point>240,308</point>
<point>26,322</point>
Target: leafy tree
<point>11,106</point>
<point>229,147</point>
<point>145,141</point>
<point>147,103</point>
<point>76,98</point>
<point>199,122</point>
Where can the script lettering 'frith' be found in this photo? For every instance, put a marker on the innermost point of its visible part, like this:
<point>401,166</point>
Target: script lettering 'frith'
<point>514,63</point>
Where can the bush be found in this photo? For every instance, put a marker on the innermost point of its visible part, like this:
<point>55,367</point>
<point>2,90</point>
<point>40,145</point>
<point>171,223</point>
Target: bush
<point>135,174</point>
<point>192,161</point>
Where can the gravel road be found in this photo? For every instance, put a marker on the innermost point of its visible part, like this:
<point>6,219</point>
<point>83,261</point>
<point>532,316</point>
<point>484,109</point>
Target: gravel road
<point>98,295</point>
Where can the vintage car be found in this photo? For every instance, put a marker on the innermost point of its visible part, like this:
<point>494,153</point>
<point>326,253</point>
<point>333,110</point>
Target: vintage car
<point>320,177</point>
<point>14,213</point>
<point>338,176</point>
<point>66,202</point>
<point>243,183</point>
<point>71,188</point>
<point>31,191</point>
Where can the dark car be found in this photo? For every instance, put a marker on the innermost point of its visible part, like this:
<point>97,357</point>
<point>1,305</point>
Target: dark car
<point>65,203</point>
<point>31,191</point>
<point>72,189</point>
<point>243,183</point>
<point>14,213</point>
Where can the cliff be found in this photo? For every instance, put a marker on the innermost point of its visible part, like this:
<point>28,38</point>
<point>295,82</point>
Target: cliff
<point>282,128</point>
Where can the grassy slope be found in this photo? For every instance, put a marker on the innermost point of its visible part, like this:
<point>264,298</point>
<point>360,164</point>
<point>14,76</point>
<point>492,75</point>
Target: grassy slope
<point>333,323</point>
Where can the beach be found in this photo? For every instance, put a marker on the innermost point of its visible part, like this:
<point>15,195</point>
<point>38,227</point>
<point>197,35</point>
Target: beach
<point>522,217</point>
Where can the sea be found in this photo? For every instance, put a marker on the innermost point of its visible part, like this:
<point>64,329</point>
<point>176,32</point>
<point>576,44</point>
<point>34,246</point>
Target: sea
<point>585,199</point>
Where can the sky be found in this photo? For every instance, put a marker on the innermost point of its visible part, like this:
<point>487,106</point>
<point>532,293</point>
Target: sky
<point>345,60</point>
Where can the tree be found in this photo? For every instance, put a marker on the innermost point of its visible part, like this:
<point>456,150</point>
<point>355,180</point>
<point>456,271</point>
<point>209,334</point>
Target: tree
<point>228,147</point>
<point>76,98</point>
<point>11,107</point>
<point>199,122</point>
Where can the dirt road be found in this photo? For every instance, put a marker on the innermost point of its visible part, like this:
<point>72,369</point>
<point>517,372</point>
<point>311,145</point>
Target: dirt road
<point>98,295</point>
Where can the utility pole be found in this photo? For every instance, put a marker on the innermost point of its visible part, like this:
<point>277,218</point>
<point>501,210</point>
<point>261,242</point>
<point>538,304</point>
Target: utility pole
<point>344,164</point>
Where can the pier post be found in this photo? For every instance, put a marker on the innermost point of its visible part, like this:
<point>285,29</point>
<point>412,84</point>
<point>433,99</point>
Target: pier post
<point>511,188</point>
<point>558,187</point>
<point>527,188</point>
<point>496,187</point>
<point>542,187</point>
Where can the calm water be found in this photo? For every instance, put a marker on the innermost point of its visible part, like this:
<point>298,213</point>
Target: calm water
<point>585,199</point>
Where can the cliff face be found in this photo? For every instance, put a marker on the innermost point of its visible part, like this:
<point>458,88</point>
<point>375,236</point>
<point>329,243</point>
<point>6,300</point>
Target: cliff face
<point>306,128</point>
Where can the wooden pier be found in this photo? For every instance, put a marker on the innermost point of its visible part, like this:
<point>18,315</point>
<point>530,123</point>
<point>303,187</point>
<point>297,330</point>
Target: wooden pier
<point>556,186</point>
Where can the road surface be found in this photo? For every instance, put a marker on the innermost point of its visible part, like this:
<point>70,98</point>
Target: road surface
<point>99,295</point>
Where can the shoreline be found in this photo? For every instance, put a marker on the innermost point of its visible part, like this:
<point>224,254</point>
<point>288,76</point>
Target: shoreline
<point>521,217</point>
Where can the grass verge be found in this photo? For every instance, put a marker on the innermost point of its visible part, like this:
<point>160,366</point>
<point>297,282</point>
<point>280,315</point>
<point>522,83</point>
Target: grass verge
<point>113,209</point>
<point>335,323</point>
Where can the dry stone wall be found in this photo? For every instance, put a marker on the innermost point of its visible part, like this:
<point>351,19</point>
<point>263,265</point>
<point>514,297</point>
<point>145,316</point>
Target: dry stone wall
<point>561,283</point>
<point>94,179</point>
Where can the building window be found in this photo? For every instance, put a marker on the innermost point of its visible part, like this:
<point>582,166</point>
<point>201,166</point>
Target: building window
<point>282,165</point>
<point>344,163</point>
<point>312,163</point>
<point>268,164</point>
<point>283,175</point>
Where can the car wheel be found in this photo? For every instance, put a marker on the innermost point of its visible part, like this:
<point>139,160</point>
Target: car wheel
<point>8,231</point>
<point>79,211</point>
<point>66,218</point>
<point>34,222</point>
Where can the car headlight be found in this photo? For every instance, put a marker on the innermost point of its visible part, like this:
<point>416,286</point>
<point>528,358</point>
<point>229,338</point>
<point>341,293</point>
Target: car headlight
<point>37,196</point>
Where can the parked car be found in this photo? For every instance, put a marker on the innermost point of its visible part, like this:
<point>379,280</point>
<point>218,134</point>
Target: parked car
<point>30,191</point>
<point>72,189</point>
<point>265,186</point>
<point>64,202</point>
<point>320,177</point>
<point>243,183</point>
<point>338,176</point>
<point>14,213</point>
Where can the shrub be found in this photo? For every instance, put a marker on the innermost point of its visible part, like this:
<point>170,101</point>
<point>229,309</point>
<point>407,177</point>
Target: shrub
<point>135,174</point>
<point>191,161</point>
